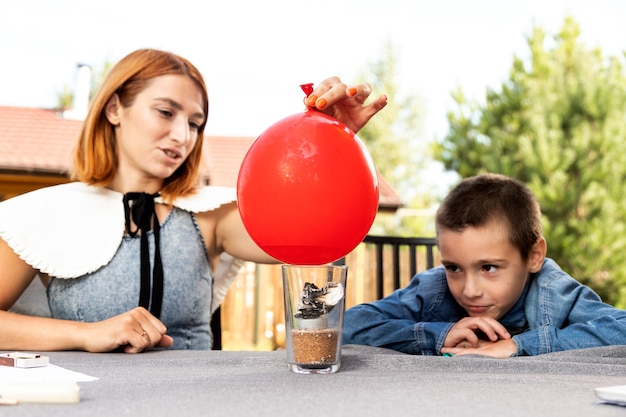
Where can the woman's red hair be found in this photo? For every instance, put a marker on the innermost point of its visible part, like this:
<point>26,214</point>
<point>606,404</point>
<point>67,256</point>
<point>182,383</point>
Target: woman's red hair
<point>95,158</point>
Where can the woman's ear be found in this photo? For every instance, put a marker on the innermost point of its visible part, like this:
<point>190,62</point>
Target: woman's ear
<point>537,255</point>
<point>112,110</point>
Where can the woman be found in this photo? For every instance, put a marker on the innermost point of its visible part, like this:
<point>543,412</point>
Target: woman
<point>128,250</point>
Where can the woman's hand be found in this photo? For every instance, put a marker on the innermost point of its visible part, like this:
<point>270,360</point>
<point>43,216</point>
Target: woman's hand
<point>345,103</point>
<point>134,331</point>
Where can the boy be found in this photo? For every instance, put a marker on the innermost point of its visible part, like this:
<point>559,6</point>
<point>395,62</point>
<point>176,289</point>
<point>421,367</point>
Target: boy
<point>496,293</point>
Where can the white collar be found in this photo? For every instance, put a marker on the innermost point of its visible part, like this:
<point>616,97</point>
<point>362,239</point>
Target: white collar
<point>70,230</point>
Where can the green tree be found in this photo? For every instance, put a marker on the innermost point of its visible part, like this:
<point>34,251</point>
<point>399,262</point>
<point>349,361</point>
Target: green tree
<point>558,125</point>
<point>393,139</point>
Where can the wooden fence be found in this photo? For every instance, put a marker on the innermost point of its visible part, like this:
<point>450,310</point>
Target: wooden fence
<point>252,314</point>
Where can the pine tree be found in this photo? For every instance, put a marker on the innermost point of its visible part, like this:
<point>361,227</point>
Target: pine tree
<point>558,124</point>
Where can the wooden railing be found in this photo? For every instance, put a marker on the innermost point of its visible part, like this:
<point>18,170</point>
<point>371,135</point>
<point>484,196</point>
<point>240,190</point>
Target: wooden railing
<point>252,313</point>
<point>396,244</point>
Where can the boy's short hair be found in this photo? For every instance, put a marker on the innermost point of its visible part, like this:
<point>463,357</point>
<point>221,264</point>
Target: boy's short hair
<point>475,201</point>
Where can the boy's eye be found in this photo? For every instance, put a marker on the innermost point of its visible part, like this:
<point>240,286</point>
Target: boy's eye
<point>452,268</point>
<point>490,268</point>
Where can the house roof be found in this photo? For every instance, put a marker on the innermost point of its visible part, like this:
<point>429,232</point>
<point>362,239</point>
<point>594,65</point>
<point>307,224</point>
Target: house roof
<point>41,141</point>
<point>36,140</point>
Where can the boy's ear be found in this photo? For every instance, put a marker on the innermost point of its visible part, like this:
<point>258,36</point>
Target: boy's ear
<point>537,255</point>
<point>112,110</point>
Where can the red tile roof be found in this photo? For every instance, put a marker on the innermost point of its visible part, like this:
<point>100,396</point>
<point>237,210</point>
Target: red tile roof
<point>41,141</point>
<point>224,155</point>
<point>36,140</point>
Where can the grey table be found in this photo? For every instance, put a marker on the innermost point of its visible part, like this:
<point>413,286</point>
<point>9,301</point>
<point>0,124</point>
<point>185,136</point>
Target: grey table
<point>371,382</point>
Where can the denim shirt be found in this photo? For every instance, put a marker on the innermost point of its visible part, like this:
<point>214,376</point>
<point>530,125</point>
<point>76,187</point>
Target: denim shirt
<point>114,288</point>
<point>554,313</point>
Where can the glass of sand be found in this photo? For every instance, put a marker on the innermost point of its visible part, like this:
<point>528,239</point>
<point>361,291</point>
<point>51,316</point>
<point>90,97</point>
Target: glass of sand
<point>314,305</point>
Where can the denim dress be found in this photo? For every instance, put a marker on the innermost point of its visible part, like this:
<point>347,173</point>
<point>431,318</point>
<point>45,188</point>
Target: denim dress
<point>114,288</point>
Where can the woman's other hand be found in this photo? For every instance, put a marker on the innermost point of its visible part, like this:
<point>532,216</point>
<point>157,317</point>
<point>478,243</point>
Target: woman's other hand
<point>134,331</point>
<point>345,103</point>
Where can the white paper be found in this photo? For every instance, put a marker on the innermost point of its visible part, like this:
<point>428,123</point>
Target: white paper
<point>49,373</point>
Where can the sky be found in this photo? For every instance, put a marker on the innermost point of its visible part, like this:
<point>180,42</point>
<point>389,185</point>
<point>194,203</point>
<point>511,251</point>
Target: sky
<point>254,54</point>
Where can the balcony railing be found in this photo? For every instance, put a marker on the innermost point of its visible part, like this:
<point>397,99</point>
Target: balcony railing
<point>396,244</point>
<point>252,313</point>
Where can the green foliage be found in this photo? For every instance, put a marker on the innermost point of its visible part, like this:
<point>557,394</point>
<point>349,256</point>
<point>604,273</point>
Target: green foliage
<point>558,124</point>
<point>65,98</point>
<point>393,139</point>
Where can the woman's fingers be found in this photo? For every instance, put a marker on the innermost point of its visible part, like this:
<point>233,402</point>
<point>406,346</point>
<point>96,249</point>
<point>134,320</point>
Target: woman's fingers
<point>345,103</point>
<point>135,330</point>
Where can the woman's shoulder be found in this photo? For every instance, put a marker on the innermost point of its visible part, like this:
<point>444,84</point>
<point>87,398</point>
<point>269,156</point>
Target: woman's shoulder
<point>206,198</point>
<point>64,230</point>
<point>62,194</point>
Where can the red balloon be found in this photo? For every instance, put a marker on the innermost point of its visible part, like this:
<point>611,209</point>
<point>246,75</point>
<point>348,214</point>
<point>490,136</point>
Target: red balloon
<point>307,190</point>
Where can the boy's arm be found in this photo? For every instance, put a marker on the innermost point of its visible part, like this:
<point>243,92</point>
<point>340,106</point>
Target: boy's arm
<point>370,324</point>
<point>570,316</point>
<point>605,327</point>
<point>397,321</point>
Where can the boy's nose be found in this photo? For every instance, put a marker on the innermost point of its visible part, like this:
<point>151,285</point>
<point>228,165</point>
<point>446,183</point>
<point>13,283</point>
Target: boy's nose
<point>472,288</point>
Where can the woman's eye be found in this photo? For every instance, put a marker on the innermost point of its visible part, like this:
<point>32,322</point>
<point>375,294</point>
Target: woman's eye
<point>165,112</point>
<point>194,126</point>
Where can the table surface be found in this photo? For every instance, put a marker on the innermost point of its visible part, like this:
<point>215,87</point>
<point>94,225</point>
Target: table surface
<point>371,382</point>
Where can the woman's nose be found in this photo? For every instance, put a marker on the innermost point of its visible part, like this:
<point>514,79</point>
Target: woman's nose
<point>181,131</point>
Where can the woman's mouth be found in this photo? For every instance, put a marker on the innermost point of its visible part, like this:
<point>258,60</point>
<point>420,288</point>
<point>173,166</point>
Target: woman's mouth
<point>172,153</point>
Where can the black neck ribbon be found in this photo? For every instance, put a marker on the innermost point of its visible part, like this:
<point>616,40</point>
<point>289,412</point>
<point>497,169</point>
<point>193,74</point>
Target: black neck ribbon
<point>140,207</point>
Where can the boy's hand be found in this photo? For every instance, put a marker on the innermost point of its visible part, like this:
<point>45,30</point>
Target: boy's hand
<point>464,333</point>
<point>504,348</point>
